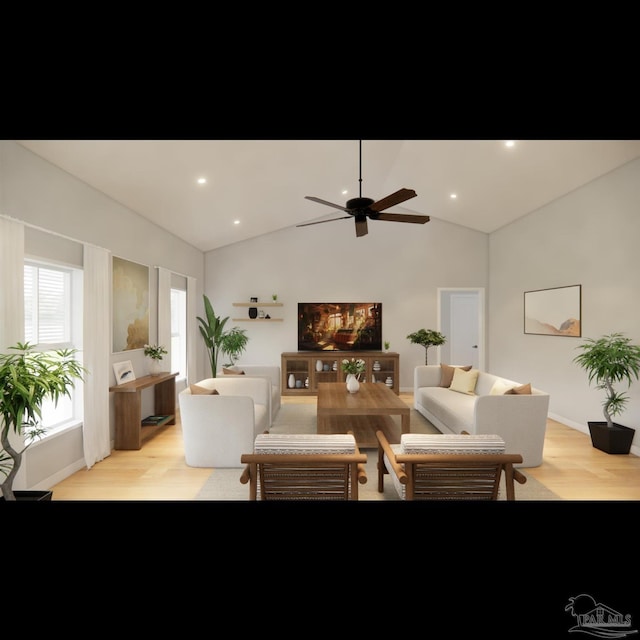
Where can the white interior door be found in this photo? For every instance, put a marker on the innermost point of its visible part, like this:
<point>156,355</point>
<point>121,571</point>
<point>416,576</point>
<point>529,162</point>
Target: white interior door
<point>461,318</point>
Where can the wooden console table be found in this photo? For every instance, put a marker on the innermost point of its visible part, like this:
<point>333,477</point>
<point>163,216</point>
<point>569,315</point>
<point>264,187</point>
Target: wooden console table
<point>130,432</point>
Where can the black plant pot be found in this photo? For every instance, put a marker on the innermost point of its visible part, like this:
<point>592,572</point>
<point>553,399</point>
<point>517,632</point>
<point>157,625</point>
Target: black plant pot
<point>616,439</point>
<point>30,496</point>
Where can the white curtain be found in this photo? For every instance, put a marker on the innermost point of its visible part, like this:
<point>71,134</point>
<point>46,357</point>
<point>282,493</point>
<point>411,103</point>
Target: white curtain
<point>11,283</point>
<point>192,331</point>
<point>12,304</point>
<point>97,349</point>
<point>164,312</point>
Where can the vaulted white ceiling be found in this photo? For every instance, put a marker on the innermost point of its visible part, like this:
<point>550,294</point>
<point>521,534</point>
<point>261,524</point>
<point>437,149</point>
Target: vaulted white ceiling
<point>263,183</point>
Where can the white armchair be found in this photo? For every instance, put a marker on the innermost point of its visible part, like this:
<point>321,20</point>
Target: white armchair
<point>221,418</point>
<point>272,372</point>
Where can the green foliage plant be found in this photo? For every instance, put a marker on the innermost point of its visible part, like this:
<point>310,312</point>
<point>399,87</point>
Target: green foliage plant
<point>232,342</point>
<point>27,378</point>
<point>427,338</point>
<point>609,360</point>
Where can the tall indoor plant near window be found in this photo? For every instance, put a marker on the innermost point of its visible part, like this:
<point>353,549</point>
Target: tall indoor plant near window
<point>609,360</point>
<point>218,341</point>
<point>27,378</point>
<point>427,338</point>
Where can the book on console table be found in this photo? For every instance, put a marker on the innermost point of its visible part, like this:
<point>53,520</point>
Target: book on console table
<point>153,420</point>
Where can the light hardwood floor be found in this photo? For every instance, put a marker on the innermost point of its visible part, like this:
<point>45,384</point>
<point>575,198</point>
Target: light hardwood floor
<point>572,468</point>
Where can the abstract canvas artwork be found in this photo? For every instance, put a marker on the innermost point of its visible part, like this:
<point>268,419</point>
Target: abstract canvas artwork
<point>130,305</point>
<point>554,312</point>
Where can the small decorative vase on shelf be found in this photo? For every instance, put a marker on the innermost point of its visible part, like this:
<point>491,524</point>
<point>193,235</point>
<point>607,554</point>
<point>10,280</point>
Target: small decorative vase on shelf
<point>376,366</point>
<point>353,386</point>
<point>155,367</point>
<point>318,365</point>
<point>389,382</point>
<point>292,381</point>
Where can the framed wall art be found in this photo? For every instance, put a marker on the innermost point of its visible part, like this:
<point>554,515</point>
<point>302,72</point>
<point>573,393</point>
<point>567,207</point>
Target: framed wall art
<point>123,371</point>
<point>130,305</point>
<point>554,312</point>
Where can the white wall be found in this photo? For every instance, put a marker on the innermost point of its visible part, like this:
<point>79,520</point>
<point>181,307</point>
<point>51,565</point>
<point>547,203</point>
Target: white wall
<point>588,237</point>
<point>399,265</point>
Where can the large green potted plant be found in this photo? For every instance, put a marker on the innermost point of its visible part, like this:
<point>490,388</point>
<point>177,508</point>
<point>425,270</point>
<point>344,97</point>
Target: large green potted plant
<point>609,360</point>
<point>218,341</point>
<point>27,378</point>
<point>427,338</point>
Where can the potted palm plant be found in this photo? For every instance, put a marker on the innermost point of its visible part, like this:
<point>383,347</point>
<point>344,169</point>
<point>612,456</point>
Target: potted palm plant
<point>218,341</point>
<point>609,360</point>
<point>427,338</point>
<point>27,378</point>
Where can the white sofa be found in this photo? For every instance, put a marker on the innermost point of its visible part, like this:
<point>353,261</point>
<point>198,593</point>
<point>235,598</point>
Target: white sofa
<point>521,420</point>
<point>218,428</point>
<point>271,372</point>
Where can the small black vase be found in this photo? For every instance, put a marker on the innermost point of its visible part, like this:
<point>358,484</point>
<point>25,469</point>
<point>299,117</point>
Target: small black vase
<point>253,312</point>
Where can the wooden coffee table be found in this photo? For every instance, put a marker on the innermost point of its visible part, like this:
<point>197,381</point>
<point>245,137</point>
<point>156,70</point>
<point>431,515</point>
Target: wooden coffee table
<point>363,412</point>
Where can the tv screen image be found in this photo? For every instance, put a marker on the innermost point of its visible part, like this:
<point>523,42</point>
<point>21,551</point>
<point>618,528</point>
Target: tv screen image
<point>339,326</point>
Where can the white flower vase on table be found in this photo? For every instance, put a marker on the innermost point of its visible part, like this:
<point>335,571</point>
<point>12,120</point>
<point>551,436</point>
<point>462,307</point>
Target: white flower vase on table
<point>155,367</point>
<point>353,386</point>
<point>154,353</point>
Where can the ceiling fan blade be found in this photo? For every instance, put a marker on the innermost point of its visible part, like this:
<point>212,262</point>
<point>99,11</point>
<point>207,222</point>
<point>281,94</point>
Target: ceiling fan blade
<point>361,226</point>
<point>401,217</point>
<point>306,224</point>
<point>394,198</point>
<point>329,204</point>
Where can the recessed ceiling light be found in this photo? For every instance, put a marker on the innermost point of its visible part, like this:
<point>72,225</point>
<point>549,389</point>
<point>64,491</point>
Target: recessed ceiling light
<point>510,143</point>
<point>453,196</point>
<point>345,191</point>
<point>202,180</point>
<point>236,222</point>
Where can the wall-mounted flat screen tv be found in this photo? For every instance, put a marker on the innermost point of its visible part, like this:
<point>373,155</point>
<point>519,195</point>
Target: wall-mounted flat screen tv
<point>339,326</point>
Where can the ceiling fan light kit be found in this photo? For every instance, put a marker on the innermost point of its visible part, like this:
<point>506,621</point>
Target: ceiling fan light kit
<point>362,208</point>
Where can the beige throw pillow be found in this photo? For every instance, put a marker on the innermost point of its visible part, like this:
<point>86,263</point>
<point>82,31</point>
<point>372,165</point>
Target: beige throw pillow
<point>447,374</point>
<point>499,388</point>
<point>522,390</point>
<point>202,391</point>
<point>464,381</point>
<point>232,372</point>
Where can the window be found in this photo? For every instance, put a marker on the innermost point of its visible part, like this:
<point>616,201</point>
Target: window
<point>179,332</point>
<point>53,320</point>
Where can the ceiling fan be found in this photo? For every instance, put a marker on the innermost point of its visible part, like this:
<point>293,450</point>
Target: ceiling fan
<point>362,208</point>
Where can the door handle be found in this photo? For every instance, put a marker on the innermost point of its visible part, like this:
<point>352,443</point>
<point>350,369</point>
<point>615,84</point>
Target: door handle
<point>475,346</point>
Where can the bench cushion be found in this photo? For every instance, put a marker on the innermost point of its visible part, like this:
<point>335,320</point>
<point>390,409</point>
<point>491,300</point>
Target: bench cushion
<point>290,443</point>
<point>455,443</point>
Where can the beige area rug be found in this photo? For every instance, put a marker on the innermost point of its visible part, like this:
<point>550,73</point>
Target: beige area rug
<point>224,484</point>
